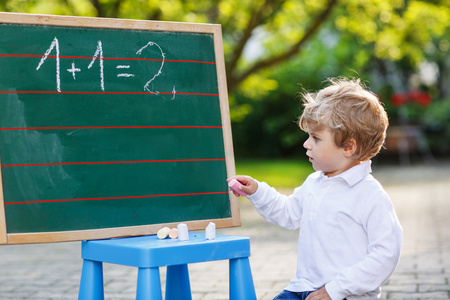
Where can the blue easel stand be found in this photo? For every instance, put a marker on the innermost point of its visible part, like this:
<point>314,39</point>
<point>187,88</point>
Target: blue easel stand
<point>148,253</point>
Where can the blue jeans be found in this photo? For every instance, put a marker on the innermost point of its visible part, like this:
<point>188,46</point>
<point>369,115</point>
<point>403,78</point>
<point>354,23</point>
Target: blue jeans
<point>286,295</point>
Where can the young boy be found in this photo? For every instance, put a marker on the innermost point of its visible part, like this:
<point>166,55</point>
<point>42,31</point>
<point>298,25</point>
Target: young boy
<point>350,237</point>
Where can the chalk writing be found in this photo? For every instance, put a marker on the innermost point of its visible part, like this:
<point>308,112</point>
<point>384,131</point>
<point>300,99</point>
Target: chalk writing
<point>160,68</point>
<point>98,56</point>
<point>173,92</point>
<point>54,44</point>
<point>73,70</point>
<point>124,74</point>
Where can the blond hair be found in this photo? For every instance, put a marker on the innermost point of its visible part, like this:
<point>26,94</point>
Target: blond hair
<point>350,112</point>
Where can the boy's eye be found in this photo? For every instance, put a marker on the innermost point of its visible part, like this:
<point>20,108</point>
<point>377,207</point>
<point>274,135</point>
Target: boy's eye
<point>315,138</point>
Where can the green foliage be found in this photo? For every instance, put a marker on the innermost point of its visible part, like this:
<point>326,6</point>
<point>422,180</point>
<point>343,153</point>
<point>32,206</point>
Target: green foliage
<point>396,29</point>
<point>57,7</point>
<point>437,123</point>
<point>277,173</point>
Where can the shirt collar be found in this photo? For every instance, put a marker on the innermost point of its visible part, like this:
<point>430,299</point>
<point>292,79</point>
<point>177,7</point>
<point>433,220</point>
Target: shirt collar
<point>353,175</point>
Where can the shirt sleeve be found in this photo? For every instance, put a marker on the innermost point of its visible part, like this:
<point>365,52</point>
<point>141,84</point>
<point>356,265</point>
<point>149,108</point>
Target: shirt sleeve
<point>384,235</point>
<point>285,211</point>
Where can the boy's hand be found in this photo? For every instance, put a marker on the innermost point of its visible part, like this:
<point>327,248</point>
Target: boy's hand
<point>249,185</point>
<point>320,294</point>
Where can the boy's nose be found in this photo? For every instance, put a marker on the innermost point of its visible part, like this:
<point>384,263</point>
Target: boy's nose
<point>306,144</point>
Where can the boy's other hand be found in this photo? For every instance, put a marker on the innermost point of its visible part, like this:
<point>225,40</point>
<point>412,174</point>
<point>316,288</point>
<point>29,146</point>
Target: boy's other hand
<point>320,294</point>
<point>249,185</point>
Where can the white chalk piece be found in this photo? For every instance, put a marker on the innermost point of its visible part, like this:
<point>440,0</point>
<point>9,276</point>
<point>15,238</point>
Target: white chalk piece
<point>210,232</point>
<point>163,233</point>
<point>183,233</point>
<point>173,233</point>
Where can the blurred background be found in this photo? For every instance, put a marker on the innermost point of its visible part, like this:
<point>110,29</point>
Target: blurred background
<point>276,49</point>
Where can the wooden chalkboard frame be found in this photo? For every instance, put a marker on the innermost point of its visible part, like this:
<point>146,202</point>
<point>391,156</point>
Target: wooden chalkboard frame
<point>82,22</point>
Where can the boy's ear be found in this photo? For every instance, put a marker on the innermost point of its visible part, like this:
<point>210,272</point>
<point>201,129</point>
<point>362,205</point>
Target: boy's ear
<point>350,148</point>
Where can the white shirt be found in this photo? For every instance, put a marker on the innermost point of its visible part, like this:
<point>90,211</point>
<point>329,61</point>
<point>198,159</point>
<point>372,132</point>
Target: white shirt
<point>350,237</point>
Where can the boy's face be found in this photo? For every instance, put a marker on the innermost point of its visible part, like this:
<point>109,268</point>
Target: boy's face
<point>325,155</point>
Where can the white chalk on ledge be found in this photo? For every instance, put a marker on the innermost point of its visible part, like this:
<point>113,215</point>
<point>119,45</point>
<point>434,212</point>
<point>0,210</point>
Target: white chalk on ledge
<point>210,232</point>
<point>163,233</point>
<point>183,233</point>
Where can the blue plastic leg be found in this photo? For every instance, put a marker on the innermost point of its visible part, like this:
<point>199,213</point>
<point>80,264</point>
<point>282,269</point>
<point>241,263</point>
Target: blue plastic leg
<point>91,283</point>
<point>178,286</point>
<point>241,280</point>
<point>149,284</point>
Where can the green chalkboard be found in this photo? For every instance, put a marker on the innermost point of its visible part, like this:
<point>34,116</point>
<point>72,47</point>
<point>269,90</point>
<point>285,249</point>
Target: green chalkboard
<point>111,128</point>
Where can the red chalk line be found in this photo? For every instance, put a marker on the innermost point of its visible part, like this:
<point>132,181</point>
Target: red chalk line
<point>118,93</point>
<point>104,127</point>
<point>113,58</point>
<point>111,162</point>
<point>114,198</point>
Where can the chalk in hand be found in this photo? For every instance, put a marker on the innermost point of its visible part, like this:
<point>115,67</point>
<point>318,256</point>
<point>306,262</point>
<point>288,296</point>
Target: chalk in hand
<point>183,233</point>
<point>163,233</point>
<point>234,185</point>
<point>210,232</point>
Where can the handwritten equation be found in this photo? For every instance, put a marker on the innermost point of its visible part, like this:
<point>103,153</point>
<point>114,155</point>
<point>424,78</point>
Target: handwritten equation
<point>123,69</point>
